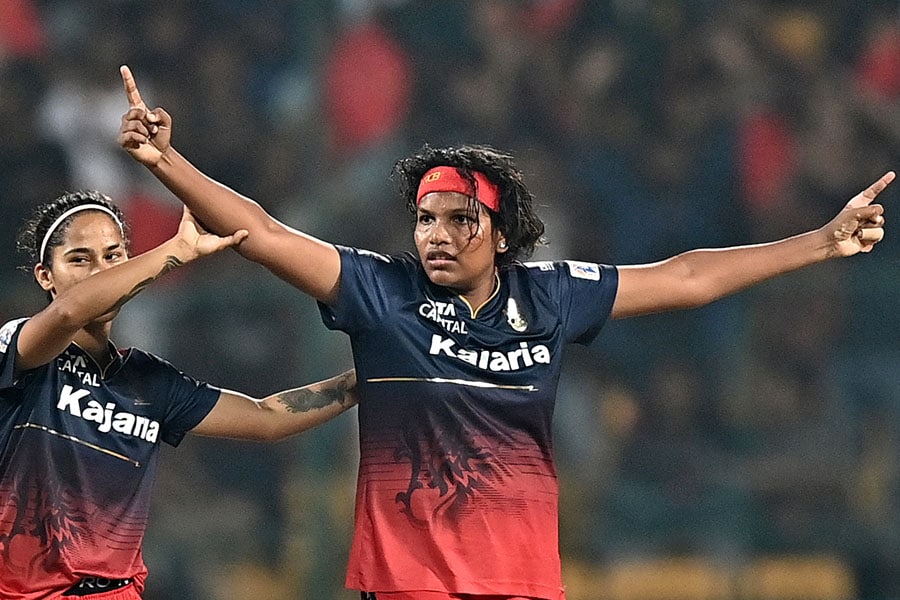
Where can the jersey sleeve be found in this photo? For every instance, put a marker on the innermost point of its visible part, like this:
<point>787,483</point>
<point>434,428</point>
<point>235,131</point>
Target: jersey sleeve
<point>364,297</point>
<point>9,335</point>
<point>585,293</point>
<point>188,400</point>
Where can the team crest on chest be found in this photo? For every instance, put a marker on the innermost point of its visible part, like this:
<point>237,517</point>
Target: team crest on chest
<point>515,319</point>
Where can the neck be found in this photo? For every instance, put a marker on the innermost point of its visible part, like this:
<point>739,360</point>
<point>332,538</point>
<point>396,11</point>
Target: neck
<point>94,339</point>
<point>477,297</point>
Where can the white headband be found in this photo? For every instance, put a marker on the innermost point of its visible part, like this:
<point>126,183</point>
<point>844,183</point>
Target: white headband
<point>71,212</point>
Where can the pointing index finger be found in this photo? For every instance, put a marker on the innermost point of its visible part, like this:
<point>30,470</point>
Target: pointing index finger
<point>868,195</point>
<point>131,90</point>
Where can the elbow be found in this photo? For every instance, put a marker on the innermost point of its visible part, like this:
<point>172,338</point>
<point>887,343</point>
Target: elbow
<point>264,235</point>
<point>697,298</point>
<point>277,434</point>
<point>258,433</point>
<point>697,288</point>
<point>269,436</point>
<point>67,314</point>
<point>277,426</point>
<point>269,428</point>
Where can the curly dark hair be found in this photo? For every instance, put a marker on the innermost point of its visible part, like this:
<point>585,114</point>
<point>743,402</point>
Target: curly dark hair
<point>32,233</point>
<point>516,219</point>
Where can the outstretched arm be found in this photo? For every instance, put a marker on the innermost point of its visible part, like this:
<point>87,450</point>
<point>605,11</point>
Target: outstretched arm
<point>282,414</point>
<point>698,277</point>
<point>305,262</point>
<point>49,332</point>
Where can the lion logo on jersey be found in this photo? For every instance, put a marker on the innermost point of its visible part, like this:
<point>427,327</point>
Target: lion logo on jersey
<point>445,460</point>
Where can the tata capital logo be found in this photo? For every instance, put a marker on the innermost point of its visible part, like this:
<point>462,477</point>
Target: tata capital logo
<point>444,314</point>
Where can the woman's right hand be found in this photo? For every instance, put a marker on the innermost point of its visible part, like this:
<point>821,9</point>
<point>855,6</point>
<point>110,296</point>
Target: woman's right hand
<point>145,134</point>
<point>199,242</point>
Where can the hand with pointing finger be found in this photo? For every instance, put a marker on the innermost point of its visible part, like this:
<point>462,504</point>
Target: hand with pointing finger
<point>145,134</point>
<point>860,225</point>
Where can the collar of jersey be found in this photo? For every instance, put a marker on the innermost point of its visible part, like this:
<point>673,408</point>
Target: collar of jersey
<point>113,364</point>
<point>474,311</point>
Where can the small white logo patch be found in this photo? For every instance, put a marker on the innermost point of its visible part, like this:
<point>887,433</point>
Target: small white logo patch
<point>6,334</point>
<point>514,317</point>
<point>584,270</point>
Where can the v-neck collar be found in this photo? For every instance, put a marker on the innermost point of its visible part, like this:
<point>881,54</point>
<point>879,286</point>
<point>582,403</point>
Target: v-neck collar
<point>114,363</point>
<point>474,311</point>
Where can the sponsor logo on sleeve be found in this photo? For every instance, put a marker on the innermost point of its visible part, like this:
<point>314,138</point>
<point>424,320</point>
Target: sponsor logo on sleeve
<point>6,334</point>
<point>584,270</point>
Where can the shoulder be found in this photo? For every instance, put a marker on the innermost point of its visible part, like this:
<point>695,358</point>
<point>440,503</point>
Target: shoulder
<point>135,358</point>
<point>366,263</point>
<point>154,370</point>
<point>575,269</point>
<point>402,260</point>
<point>559,275</point>
<point>8,331</point>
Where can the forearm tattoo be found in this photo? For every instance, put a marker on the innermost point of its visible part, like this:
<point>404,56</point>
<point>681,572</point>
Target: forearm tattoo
<point>336,391</point>
<point>172,262</point>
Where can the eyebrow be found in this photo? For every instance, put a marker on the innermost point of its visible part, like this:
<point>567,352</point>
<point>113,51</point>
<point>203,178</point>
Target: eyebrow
<point>89,250</point>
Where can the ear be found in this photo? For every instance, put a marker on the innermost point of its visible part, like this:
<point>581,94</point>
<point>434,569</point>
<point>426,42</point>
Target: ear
<point>44,277</point>
<point>500,243</point>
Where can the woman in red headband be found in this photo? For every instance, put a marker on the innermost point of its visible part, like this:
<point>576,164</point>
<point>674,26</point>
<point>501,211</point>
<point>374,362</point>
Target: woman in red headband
<point>458,353</point>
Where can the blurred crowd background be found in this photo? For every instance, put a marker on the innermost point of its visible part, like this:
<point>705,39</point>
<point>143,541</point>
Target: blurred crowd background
<point>765,426</point>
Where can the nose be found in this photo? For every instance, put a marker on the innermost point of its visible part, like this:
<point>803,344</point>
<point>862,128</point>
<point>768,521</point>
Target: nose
<point>439,233</point>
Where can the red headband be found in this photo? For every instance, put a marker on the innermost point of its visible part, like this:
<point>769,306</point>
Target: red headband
<point>448,179</point>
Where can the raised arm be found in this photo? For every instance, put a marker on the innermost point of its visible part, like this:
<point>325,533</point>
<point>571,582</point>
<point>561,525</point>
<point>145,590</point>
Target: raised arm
<point>305,262</point>
<point>282,414</point>
<point>698,277</point>
<point>49,332</point>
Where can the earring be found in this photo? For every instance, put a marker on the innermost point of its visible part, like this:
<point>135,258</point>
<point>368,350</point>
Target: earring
<point>502,245</point>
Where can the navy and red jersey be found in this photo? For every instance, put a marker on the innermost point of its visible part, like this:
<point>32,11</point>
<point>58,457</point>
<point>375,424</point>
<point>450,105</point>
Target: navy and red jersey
<point>457,488</point>
<point>79,447</point>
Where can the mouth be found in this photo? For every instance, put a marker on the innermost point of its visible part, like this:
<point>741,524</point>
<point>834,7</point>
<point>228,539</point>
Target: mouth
<point>438,259</point>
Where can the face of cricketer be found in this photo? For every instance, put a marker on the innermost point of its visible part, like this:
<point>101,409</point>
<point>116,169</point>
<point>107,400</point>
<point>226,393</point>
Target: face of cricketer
<point>456,245</point>
<point>93,242</point>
